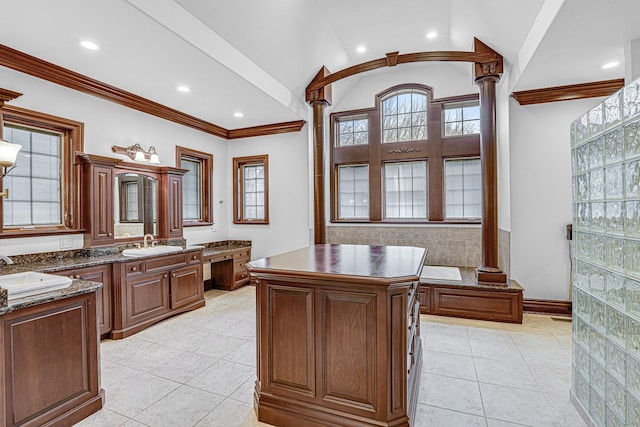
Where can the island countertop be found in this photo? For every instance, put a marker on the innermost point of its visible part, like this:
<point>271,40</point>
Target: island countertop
<point>361,263</point>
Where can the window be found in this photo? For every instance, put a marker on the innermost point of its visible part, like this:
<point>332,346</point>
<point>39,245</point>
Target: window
<point>353,132</point>
<point>44,185</point>
<point>409,170</point>
<point>353,182</point>
<point>251,190</point>
<point>405,190</point>
<point>462,188</point>
<point>404,116</point>
<point>461,118</point>
<point>196,186</point>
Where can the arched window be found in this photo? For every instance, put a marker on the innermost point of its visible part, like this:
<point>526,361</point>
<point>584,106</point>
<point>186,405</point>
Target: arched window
<point>410,158</point>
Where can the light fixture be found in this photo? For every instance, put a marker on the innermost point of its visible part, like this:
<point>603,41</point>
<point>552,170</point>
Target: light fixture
<point>89,45</point>
<point>612,64</point>
<point>238,114</point>
<point>432,35</point>
<point>361,49</point>
<point>137,153</point>
<point>8,154</point>
<point>183,89</point>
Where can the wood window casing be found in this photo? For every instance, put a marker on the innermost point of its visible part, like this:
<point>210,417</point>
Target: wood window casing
<point>72,134</point>
<point>206,185</point>
<point>434,150</point>
<point>239,191</point>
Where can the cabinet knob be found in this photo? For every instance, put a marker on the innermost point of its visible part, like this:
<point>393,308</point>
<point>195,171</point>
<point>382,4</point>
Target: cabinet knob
<point>164,275</point>
<point>77,276</point>
<point>108,234</point>
<point>173,275</point>
<point>195,257</point>
<point>134,268</point>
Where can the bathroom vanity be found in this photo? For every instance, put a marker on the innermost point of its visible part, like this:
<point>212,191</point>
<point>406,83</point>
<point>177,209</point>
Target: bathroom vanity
<point>338,337</point>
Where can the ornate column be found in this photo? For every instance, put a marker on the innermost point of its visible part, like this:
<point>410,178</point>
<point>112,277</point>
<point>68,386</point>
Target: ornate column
<point>319,99</point>
<point>487,76</point>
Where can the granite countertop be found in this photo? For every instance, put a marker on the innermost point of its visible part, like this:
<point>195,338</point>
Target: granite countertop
<point>77,287</point>
<point>468,275</point>
<point>224,247</point>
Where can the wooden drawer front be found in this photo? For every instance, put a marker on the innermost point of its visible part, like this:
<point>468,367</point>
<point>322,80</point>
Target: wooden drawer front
<point>134,267</point>
<point>242,253</point>
<point>100,274</point>
<point>425,299</point>
<point>487,305</point>
<point>240,262</point>
<point>241,275</point>
<point>186,286</point>
<point>219,257</point>
<point>194,257</point>
<point>147,297</point>
<point>167,262</point>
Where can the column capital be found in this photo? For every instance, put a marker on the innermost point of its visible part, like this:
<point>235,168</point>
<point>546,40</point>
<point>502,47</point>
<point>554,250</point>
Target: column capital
<point>319,95</point>
<point>492,68</point>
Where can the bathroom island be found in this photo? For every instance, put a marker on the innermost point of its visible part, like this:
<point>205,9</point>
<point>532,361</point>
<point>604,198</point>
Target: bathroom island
<point>338,336</point>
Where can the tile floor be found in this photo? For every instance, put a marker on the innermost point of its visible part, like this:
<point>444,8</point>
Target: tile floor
<point>198,369</point>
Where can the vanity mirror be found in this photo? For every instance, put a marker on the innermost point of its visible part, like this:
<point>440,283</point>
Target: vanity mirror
<point>135,204</point>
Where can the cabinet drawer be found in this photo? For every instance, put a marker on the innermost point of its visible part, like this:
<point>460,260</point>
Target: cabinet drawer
<point>166,262</point>
<point>242,253</point>
<point>240,262</point>
<point>241,275</point>
<point>220,257</point>
<point>134,267</point>
<point>194,257</point>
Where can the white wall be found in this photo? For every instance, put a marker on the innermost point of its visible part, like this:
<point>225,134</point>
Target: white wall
<point>289,174</point>
<point>108,124</point>
<point>541,195</point>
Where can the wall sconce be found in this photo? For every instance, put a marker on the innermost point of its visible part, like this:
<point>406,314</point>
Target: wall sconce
<point>136,152</point>
<point>8,154</point>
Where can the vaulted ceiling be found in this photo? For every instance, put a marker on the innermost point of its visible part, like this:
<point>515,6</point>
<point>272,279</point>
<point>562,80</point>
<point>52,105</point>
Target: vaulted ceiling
<point>257,56</point>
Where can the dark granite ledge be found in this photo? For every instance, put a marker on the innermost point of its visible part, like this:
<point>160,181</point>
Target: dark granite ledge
<point>77,287</point>
<point>469,281</point>
<point>223,247</point>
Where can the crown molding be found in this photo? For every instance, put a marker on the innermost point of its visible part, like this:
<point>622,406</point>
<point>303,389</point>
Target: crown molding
<point>568,92</point>
<point>36,67</point>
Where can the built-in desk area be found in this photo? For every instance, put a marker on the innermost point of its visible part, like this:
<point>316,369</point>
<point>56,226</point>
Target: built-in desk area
<point>228,261</point>
<point>338,336</point>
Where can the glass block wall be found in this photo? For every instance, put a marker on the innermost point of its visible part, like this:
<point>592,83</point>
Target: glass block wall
<point>605,147</point>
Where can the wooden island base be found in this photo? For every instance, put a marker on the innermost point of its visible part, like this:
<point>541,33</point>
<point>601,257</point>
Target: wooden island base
<point>338,336</point>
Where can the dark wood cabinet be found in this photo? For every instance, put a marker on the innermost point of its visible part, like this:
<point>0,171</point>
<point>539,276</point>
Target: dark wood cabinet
<point>338,337</point>
<point>174,184</point>
<point>147,291</point>
<point>101,274</point>
<point>229,270</point>
<point>50,363</point>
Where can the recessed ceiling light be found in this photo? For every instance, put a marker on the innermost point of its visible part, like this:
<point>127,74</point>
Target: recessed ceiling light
<point>238,114</point>
<point>89,45</point>
<point>432,35</point>
<point>183,89</point>
<point>361,49</point>
<point>610,65</point>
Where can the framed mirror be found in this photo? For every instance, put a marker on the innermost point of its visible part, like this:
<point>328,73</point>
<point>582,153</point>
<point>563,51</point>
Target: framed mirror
<point>135,205</point>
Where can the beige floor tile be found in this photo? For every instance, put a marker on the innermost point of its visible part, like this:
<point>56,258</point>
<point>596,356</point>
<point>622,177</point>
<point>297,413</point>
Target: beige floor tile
<point>148,357</point>
<point>445,329</point>
<point>448,365</point>
<point>102,418</point>
<point>223,377</point>
<point>517,406</point>
<point>244,393</point>
<point>508,374</point>
<point>121,350</point>
<point>552,380</point>
<point>133,423</point>
<point>231,413</point>
<point>216,345</point>
<point>450,393</point>
<point>245,354</point>
<point>185,406</point>
<point>499,423</point>
<point>129,392</point>
<point>245,329</point>
<point>445,344</point>
<point>489,335</point>
<point>565,412</point>
<point>437,417</point>
<point>504,351</point>
<point>183,367</point>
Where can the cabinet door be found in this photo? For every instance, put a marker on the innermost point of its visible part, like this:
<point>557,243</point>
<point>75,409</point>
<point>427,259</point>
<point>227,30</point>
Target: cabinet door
<point>186,286</point>
<point>102,274</point>
<point>101,198</point>
<point>175,206</point>
<point>147,297</point>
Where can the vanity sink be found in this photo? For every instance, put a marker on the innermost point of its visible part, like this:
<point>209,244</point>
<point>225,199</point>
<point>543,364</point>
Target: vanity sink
<point>21,285</point>
<point>156,250</point>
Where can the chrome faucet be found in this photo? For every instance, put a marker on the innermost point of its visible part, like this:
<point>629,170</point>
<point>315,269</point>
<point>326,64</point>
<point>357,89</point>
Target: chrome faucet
<point>145,239</point>
<point>6,259</point>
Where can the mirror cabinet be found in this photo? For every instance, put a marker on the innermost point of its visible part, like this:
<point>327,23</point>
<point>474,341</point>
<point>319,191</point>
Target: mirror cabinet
<point>124,201</point>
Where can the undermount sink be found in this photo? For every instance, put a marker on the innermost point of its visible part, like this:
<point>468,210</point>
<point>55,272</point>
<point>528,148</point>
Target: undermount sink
<point>156,250</point>
<point>19,285</point>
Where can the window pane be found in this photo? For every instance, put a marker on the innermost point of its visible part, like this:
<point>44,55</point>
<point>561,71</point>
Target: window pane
<point>191,189</point>
<point>353,192</point>
<point>406,190</point>
<point>461,118</point>
<point>35,183</point>
<point>353,132</point>
<point>253,192</point>
<point>404,116</point>
<point>462,183</point>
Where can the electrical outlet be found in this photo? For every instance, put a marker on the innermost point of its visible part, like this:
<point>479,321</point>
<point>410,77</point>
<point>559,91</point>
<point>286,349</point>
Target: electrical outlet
<point>66,242</point>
